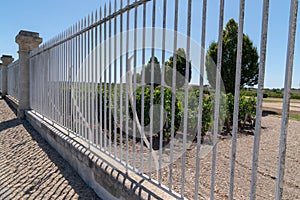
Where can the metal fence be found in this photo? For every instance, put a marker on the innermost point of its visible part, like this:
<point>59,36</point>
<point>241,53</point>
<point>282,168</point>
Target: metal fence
<point>13,79</point>
<point>95,80</point>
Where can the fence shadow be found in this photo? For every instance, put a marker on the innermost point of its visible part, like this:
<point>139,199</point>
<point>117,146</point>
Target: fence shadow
<point>31,168</point>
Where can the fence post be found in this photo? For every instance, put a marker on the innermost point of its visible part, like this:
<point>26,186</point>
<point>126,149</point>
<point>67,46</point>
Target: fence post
<point>6,60</point>
<point>27,41</point>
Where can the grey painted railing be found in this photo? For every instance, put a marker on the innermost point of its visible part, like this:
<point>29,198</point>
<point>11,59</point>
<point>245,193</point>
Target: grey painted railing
<point>13,77</point>
<point>87,80</point>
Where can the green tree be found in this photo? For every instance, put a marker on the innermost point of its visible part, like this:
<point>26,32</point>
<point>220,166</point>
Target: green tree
<point>249,68</point>
<point>180,69</point>
<point>157,72</point>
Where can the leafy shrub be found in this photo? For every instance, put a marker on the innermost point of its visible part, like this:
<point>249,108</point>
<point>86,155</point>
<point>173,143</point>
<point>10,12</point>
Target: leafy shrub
<point>193,112</point>
<point>295,96</point>
<point>247,110</point>
<point>156,112</point>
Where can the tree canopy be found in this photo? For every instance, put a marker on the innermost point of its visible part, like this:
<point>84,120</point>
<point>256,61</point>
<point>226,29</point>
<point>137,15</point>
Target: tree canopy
<point>250,65</point>
<point>180,69</point>
<point>157,72</point>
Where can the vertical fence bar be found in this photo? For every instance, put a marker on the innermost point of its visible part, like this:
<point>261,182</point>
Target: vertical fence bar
<point>88,57</point>
<point>54,74</point>
<point>261,79</point>
<point>76,71</point>
<point>65,79</point>
<point>143,85</point>
<point>105,84</point>
<point>71,82</point>
<point>97,46</point>
<point>134,87</point>
<point>64,82</point>
<point>127,71</point>
<point>100,84</point>
<point>236,96</point>
<point>50,107</point>
<point>109,79</point>
<point>85,64</point>
<point>173,95</point>
<point>199,125</point>
<point>52,91</point>
<point>60,82</point>
<point>286,101</point>
<point>93,66</point>
<point>162,91</point>
<point>82,87</point>
<point>61,64</point>
<point>115,81</point>
<point>101,80</point>
<point>65,56</point>
<point>69,76</point>
<point>67,116</point>
<point>78,77</point>
<point>152,86</point>
<point>57,84</point>
<point>217,100</point>
<point>186,94</point>
<point>74,95</point>
<point>121,83</point>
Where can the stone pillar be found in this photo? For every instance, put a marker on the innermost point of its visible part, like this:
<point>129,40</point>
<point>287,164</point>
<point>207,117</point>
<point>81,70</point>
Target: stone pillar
<point>27,41</point>
<point>6,60</point>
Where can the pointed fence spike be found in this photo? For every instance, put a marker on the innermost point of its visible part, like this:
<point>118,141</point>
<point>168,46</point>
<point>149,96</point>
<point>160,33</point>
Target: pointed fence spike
<point>100,13</point>
<point>96,16</point>
<point>109,7</point>
<point>92,18</point>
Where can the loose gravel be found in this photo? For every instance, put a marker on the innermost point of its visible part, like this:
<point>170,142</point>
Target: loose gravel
<point>30,168</point>
<point>267,168</point>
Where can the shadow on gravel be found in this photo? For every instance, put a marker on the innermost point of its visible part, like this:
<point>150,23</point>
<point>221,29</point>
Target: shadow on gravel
<point>9,124</point>
<point>37,168</point>
<point>265,113</point>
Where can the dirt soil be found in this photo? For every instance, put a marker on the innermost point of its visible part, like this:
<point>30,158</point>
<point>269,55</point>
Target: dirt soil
<point>30,168</point>
<point>267,169</point>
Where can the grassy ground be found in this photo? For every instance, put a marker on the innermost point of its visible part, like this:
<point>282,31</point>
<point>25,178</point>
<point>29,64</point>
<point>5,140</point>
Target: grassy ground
<point>297,117</point>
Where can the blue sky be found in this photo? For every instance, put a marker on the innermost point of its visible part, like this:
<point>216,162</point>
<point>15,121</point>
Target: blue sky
<point>50,17</point>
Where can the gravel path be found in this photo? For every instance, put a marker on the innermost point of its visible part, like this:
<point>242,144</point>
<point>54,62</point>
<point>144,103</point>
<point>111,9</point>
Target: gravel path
<point>30,168</point>
<point>278,105</point>
<point>267,169</point>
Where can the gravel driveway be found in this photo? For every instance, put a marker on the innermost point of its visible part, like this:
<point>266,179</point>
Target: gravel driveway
<point>267,169</point>
<point>30,168</point>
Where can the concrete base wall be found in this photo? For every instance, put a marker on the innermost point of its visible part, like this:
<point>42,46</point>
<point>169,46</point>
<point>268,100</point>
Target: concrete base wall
<point>13,103</point>
<point>107,177</point>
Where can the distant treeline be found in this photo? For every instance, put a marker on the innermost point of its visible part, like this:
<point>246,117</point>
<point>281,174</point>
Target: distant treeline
<point>274,93</point>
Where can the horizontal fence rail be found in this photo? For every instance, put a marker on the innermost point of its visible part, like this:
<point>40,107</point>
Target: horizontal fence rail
<point>119,80</point>
<point>13,80</point>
